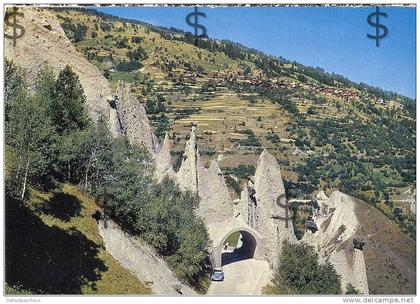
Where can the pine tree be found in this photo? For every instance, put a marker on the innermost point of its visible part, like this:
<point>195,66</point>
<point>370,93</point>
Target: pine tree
<point>68,101</point>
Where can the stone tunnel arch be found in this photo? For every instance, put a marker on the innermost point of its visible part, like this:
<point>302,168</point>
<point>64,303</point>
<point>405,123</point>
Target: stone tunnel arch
<point>252,245</point>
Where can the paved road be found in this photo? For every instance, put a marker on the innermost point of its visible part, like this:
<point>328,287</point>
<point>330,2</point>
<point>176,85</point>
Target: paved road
<point>245,277</point>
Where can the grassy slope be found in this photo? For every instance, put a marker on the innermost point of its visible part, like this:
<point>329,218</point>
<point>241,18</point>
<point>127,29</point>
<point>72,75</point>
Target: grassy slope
<point>53,247</point>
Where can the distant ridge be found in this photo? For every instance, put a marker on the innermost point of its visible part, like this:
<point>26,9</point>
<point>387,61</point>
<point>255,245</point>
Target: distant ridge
<point>306,70</point>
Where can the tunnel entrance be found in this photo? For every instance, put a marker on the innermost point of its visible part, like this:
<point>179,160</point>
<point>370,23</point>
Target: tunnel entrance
<point>239,245</point>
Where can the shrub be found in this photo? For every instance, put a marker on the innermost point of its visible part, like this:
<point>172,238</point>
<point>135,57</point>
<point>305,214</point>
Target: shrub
<point>289,106</point>
<point>76,31</point>
<point>242,171</point>
<point>298,271</point>
<point>128,66</point>
<point>311,110</point>
<point>252,139</point>
<point>162,125</point>
<point>137,54</point>
<point>136,39</point>
<point>106,27</point>
<point>121,43</point>
<point>231,182</point>
<point>350,289</point>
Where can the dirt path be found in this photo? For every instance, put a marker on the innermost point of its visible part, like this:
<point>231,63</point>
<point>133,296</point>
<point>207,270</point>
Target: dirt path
<point>242,277</point>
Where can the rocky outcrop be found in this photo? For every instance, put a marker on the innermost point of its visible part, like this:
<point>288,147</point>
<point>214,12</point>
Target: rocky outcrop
<point>273,217</point>
<point>187,175</point>
<point>321,196</point>
<point>163,161</point>
<point>215,202</point>
<point>141,259</point>
<point>133,119</point>
<point>208,183</point>
<point>249,205</point>
<point>338,224</point>
<point>46,44</point>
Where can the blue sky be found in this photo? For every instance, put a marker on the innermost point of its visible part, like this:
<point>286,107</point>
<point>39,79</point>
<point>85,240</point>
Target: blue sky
<point>333,38</point>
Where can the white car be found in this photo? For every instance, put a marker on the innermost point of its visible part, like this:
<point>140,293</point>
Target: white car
<point>217,274</point>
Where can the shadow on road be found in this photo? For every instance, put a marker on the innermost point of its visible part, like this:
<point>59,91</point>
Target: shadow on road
<point>234,256</point>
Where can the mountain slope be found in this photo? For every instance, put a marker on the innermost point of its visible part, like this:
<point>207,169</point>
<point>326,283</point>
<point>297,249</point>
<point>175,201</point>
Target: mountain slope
<point>326,131</point>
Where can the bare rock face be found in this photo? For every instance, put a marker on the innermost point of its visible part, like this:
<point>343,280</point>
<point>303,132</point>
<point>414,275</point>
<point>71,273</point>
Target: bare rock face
<point>264,209</point>
<point>141,259</point>
<point>209,184</point>
<point>164,161</point>
<point>249,205</point>
<point>187,175</point>
<point>133,120</point>
<point>338,224</point>
<point>45,43</point>
<point>273,217</point>
<point>321,196</point>
<point>215,202</point>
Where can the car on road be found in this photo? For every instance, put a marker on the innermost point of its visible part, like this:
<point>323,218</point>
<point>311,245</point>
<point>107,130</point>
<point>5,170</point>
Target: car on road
<point>217,274</point>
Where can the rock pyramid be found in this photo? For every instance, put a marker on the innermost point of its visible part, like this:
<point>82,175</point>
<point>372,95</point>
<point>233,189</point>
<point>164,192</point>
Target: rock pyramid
<point>208,183</point>
<point>133,120</point>
<point>273,216</point>
<point>338,224</point>
<point>164,161</point>
<point>215,202</point>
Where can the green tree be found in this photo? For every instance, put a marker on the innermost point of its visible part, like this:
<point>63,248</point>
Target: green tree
<point>64,100</point>
<point>386,197</point>
<point>247,71</point>
<point>150,107</point>
<point>68,102</point>
<point>13,86</point>
<point>231,182</point>
<point>298,272</point>
<point>183,237</point>
<point>30,132</point>
<point>72,153</point>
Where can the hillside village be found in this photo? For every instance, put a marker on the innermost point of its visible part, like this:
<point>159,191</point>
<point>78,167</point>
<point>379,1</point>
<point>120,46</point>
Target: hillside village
<point>243,136</point>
